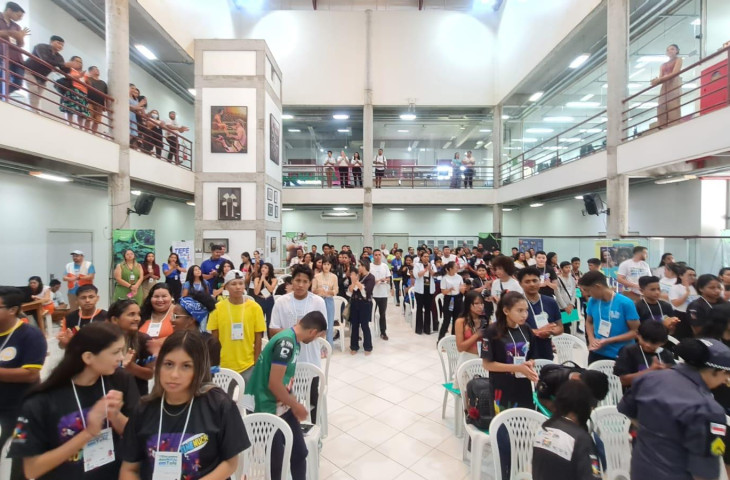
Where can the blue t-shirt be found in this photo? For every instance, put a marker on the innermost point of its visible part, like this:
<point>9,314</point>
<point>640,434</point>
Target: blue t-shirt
<point>174,276</point>
<point>77,270</point>
<point>211,265</point>
<point>622,310</point>
<point>396,264</point>
<point>543,346</point>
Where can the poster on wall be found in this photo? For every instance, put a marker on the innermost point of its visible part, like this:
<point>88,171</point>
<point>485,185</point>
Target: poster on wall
<point>228,127</point>
<point>209,242</point>
<point>184,250</point>
<point>274,136</point>
<point>141,242</point>
<point>491,241</point>
<point>612,253</point>
<point>524,244</point>
<point>229,203</point>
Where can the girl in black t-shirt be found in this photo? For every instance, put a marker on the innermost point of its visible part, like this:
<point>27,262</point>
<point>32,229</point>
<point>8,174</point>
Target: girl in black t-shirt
<point>508,349</point>
<point>85,400</point>
<point>138,361</point>
<point>185,414</point>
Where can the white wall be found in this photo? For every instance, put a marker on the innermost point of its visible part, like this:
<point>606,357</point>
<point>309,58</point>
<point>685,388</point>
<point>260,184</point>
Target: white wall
<point>718,24</point>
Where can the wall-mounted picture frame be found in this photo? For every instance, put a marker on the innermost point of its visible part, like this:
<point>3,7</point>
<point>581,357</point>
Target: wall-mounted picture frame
<point>272,246</point>
<point>229,203</point>
<point>276,197</point>
<point>271,209</point>
<point>269,194</point>
<point>276,212</point>
<point>228,129</point>
<point>274,136</point>
<point>209,242</point>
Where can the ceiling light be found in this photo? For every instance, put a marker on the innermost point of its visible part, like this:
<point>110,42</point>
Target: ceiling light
<point>136,192</point>
<point>340,116</point>
<point>286,116</point>
<point>653,59</point>
<point>462,128</point>
<point>286,209</point>
<point>407,116</point>
<point>696,22</point>
<point>585,98</point>
<point>48,176</point>
<point>423,149</point>
<point>539,130</point>
<point>294,130</point>
<point>579,197</point>
<point>453,209</point>
<point>644,105</point>
<point>570,140</point>
<point>485,130</point>
<point>146,52</point>
<point>341,130</point>
<point>681,178</point>
<point>535,205</point>
<point>397,209</point>
<point>529,140</point>
<point>506,209</point>
<point>555,148</point>
<point>558,119</point>
<point>321,150</point>
<point>579,60</point>
<point>192,204</point>
<point>505,117</point>
<point>536,96</point>
<point>636,73</point>
<point>512,148</point>
<point>192,91</point>
<point>480,142</point>
<point>605,85</point>
<point>409,148</point>
<point>446,145</point>
<point>402,131</point>
<point>340,209</point>
<point>583,104</point>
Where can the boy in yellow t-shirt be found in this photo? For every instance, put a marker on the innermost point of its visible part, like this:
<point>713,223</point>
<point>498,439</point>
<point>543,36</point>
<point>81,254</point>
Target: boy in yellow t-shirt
<point>239,326</point>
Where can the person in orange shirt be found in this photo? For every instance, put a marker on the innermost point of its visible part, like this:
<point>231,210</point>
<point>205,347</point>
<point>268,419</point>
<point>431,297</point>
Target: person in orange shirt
<point>157,315</point>
<point>74,102</point>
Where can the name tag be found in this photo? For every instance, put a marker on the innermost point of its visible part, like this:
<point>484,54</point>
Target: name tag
<point>604,328</point>
<point>237,331</point>
<point>168,466</point>
<point>154,329</point>
<point>131,277</point>
<point>555,441</point>
<point>99,451</point>
<point>519,361</point>
<point>541,319</point>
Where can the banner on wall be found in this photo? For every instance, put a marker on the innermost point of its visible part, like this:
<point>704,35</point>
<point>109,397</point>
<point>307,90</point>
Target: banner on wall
<point>141,242</point>
<point>612,253</point>
<point>491,241</point>
<point>184,250</point>
<point>292,241</point>
<point>524,244</point>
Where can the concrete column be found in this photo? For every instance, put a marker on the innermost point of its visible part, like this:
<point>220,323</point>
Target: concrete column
<point>617,186</point>
<point>497,144</point>
<point>497,215</point>
<point>117,55</point>
<point>367,138</point>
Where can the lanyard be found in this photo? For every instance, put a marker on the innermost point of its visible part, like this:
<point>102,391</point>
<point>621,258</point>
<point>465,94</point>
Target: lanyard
<point>600,314</point>
<point>661,312</point>
<point>570,297</point>
<point>91,319</point>
<point>296,312</point>
<point>10,335</point>
<point>187,419</point>
<point>81,411</point>
<point>230,313</point>
<point>708,303</point>
<point>646,361</point>
<point>533,311</point>
<point>514,344</point>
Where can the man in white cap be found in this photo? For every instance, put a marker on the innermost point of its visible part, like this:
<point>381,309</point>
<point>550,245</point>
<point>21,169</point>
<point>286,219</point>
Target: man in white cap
<point>238,324</point>
<point>79,272</point>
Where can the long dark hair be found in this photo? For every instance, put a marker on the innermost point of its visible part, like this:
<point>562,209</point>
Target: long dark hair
<point>270,276</point>
<point>94,337</point>
<point>466,312</point>
<point>146,259</point>
<point>664,258</point>
<point>146,310</point>
<point>508,300</point>
<point>116,310</point>
<point>220,270</point>
<point>192,343</point>
<point>190,277</point>
<point>40,284</point>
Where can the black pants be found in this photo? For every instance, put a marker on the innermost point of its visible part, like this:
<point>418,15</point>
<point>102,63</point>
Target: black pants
<point>298,451</point>
<point>382,304</point>
<point>360,316</point>
<point>594,357</point>
<point>172,141</point>
<point>7,423</point>
<point>344,174</point>
<point>17,74</point>
<point>356,176</point>
<point>469,177</point>
<point>397,286</point>
<point>314,398</point>
<point>424,302</point>
<point>450,314</point>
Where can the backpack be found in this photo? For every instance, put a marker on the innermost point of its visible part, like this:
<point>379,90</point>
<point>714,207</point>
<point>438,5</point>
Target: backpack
<point>480,402</point>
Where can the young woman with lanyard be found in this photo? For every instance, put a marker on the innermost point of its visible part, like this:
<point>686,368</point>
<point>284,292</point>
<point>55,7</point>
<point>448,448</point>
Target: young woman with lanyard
<point>680,296</point>
<point>246,265</point>
<point>453,287</point>
<point>565,294</point>
<point>186,428</point>
<point>156,314</point>
<point>264,286</point>
<point>151,273</point>
<point>194,281</point>
<point>139,361</point>
<point>326,286</point>
<point>173,271</point>
<point>710,290</point>
<point>70,425</point>
<point>189,314</point>
<point>669,279</point>
<point>724,277</point>
<point>468,327</point>
<point>128,275</point>
<point>220,291</point>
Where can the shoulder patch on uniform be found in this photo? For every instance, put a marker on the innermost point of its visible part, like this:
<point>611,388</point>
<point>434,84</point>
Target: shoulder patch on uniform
<point>717,447</point>
<point>718,429</point>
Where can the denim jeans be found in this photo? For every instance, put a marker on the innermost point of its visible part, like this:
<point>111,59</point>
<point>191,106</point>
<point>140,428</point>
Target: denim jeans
<point>329,302</point>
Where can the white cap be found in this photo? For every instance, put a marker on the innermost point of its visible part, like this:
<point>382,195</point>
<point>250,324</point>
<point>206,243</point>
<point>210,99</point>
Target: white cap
<point>233,275</point>
<point>77,252</point>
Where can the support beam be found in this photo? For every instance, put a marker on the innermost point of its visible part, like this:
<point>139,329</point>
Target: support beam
<point>117,54</point>
<point>496,144</point>
<point>497,218</point>
<point>367,141</point>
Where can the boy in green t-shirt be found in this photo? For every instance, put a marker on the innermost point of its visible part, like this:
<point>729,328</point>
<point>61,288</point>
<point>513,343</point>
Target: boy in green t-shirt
<point>270,387</point>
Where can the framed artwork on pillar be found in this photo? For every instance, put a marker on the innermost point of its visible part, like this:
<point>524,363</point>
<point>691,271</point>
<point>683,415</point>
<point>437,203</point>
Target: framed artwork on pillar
<point>228,129</point>
<point>274,136</point>
<point>271,210</point>
<point>229,203</point>
<point>209,242</point>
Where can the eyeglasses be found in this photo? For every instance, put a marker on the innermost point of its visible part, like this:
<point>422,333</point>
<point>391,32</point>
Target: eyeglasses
<point>175,316</point>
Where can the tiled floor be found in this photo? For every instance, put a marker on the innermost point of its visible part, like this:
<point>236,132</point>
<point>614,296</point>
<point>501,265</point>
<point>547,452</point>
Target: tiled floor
<point>385,412</point>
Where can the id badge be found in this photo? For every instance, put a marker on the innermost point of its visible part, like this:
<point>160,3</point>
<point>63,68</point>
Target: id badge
<point>154,329</point>
<point>99,451</point>
<point>237,331</point>
<point>543,278</point>
<point>131,277</point>
<point>604,328</point>
<point>168,466</point>
<point>541,319</point>
<point>519,361</point>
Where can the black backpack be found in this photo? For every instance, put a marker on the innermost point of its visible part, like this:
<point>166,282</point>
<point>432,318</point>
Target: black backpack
<point>480,398</point>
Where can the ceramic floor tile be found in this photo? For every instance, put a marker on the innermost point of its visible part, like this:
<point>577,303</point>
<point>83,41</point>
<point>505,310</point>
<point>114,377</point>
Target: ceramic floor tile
<point>394,394</point>
<point>338,475</point>
<point>428,432</point>
<point>372,405</point>
<point>344,450</point>
<point>398,417</point>
<point>326,468</point>
<point>372,432</point>
<point>348,394</point>
<point>404,449</point>
<point>414,384</point>
<point>409,475</point>
<point>452,447</point>
<point>437,465</point>
<point>374,465</point>
<point>347,418</point>
<point>419,404</point>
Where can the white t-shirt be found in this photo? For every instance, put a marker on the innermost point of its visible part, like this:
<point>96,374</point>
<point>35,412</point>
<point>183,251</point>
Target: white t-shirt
<point>418,284</point>
<point>450,258</point>
<point>633,271</point>
<point>678,291</point>
<point>329,162</point>
<point>449,282</point>
<point>380,162</point>
<point>531,262</point>
<point>666,284</point>
<point>288,311</point>
<point>380,290</point>
<point>511,285</point>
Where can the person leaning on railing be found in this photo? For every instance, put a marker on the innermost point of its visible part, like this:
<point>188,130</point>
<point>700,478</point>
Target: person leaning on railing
<point>45,59</point>
<point>15,36</point>
<point>96,96</point>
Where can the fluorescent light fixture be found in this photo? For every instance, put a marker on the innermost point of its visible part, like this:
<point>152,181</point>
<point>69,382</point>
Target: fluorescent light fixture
<point>506,209</point>
<point>145,51</point>
<point>409,148</point>
<point>653,59</point>
<point>446,145</point>
<point>286,209</point>
<point>570,140</point>
<point>48,176</point>
<point>136,192</point>
<point>484,130</point>
<point>453,209</point>
<point>192,204</point>
<point>583,104</point>
<point>294,130</point>
<point>579,60</point>
<point>340,209</point>
<point>407,116</point>
<point>539,130</point>
<point>505,117</point>
<point>605,85</point>
<point>555,148</point>
<point>680,178</point>
<point>340,116</point>
<point>286,116</point>
<point>579,197</point>
<point>636,73</point>
<point>536,96</point>
<point>529,140</point>
<point>397,209</point>
<point>402,131</point>
<point>192,91</point>
<point>342,130</point>
<point>537,204</point>
<point>480,142</point>
<point>558,119</point>
<point>696,22</point>
<point>590,130</point>
<point>512,148</point>
<point>585,98</point>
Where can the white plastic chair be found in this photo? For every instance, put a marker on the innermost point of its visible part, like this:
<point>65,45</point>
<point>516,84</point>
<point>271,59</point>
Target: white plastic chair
<point>302,389</point>
<point>408,307</point>
<point>439,302</point>
<point>570,348</point>
<point>522,424</point>
<point>613,429</point>
<point>479,439</point>
<point>541,362</point>
<point>449,356</point>
<point>255,461</point>
<point>327,352</point>
<point>6,464</point>
<point>339,305</point>
<point>223,379</point>
<point>615,391</point>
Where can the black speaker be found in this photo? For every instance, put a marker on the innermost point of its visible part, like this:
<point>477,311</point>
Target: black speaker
<point>592,203</point>
<point>143,204</point>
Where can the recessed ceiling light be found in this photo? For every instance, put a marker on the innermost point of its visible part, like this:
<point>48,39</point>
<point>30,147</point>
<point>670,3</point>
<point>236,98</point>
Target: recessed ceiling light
<point>535,205</point>
<point>558,119</point>
<point>485,130</point>
<point>286,209</point>
<point>585,98</point>
<point>591,130</point>
<point>423,149</point>
<point>192,204</point>
<point>136,192</point>
<point>583,104</point>
<point>192,91</point>
<point>146,52</point>
<point>294,130</point>
<point>579,60</point>
<point>409,148</point>
<point>342,130</point>
<point>402,131</point>
<point>340,209</point>
<point>453,209</point>
<point>480,142</point>
<point>340,116</point>
<point>48,176</point>
<point>286,116</point>
<point>539,130</point>
<point>506,209</point>
<point>407,116</point>
<point>536,96</point>
<point>579,197</point>
<point>397,209</point>
<point>505,117</point>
